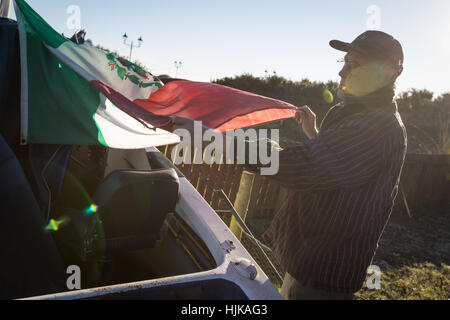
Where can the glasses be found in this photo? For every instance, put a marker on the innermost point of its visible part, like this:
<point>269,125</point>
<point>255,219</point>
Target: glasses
<point>352,64</point>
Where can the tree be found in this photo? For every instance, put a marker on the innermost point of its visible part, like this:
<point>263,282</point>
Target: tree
<point>426,119</point>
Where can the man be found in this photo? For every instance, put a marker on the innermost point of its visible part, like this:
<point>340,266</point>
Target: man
<point>348,175</point>
<point>343,181</point>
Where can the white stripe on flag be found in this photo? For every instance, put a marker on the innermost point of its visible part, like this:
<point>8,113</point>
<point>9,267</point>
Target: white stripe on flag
<point>123,131</point>
<point>92,64</point>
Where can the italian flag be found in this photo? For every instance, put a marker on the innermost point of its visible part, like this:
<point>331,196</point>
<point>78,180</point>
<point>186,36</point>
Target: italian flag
<point>79,94</point>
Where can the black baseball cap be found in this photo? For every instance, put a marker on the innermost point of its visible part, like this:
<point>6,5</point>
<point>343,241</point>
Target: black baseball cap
<point>374,44</point>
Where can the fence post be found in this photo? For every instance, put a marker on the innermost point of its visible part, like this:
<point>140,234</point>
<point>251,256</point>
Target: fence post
<point>242,202</point>
<point>253,208</point>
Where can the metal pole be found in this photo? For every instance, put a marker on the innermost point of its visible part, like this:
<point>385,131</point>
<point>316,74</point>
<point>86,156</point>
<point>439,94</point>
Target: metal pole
<point>131,49</point>
<point>131,44</point>
<point>247,230</point>
<point>177,66</point>
<point>4,8</point>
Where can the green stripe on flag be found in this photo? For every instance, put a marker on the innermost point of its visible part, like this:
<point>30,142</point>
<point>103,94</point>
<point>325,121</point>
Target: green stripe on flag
<point>40,26</point>
<point>100,137</point>
<point>62,104</point>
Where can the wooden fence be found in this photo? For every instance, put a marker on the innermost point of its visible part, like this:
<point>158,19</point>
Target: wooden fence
<point>425,180</point>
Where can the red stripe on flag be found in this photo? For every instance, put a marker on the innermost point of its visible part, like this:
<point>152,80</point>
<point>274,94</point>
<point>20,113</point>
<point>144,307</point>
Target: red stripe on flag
<point>255,118</point>
<point>131,108</point>
<point>219,107</point>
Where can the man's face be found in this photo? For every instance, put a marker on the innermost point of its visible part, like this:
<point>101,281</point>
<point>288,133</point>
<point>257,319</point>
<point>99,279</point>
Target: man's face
<point>353,60</point>
<point>362,75</point>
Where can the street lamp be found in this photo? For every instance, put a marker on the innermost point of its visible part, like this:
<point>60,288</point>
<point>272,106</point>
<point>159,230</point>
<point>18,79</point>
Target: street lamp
<point>131,44</point>
<point>178,65</point>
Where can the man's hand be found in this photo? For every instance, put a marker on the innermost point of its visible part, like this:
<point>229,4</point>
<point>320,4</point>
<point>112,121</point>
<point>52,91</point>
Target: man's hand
<point>307,119</point>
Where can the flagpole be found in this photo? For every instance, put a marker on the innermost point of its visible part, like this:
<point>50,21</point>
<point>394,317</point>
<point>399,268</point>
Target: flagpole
<point>4,8</point>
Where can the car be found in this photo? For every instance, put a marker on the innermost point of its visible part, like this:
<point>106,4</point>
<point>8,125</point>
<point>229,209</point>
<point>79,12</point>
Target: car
<point>91,222</point>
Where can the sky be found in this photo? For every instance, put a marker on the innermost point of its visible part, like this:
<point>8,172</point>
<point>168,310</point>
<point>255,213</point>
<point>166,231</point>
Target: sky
<point>218,38</point>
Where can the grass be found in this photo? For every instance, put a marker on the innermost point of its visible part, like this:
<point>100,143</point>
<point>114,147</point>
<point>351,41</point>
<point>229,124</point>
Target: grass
<point>417,282</point>
<point>413,256</point>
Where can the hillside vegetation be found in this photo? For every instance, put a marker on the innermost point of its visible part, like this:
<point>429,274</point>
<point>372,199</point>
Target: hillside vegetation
<point>426,118</point>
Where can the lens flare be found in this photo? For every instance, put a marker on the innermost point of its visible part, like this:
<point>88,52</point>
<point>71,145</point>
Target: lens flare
<point>328,96</point>
<point>91,209</point>
<point>54,225</point>
<point>369,78</point>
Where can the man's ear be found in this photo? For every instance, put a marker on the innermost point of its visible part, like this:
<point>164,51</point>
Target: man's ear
<point>397,65</point>
<point>397,72</point>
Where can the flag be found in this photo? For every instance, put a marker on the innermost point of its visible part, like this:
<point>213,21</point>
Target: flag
<point>78,94</point>
<point>219,107</point>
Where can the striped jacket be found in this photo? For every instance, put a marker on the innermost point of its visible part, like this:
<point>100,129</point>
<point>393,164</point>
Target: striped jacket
<point>342,186</point>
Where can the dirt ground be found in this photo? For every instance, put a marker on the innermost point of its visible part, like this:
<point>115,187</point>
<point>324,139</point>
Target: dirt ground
<point>413,256</point>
